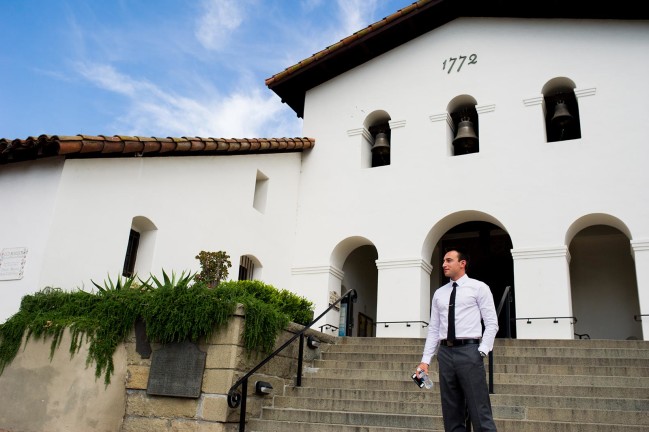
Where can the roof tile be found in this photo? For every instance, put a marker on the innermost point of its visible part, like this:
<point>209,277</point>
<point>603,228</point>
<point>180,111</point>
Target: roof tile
<point>90,146</point>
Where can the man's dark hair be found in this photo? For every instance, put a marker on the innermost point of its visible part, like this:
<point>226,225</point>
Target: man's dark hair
<point>461,254</point>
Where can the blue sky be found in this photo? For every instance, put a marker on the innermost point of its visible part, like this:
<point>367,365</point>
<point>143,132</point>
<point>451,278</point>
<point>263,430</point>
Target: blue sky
<point>162,67</point>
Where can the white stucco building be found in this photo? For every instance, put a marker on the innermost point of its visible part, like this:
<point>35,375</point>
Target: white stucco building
<point>545,188</point>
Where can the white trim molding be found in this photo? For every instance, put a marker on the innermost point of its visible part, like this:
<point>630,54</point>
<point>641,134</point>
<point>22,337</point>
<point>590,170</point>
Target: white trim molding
<point>404,263</point>
<point>541,252</point>
<point>318,270</point>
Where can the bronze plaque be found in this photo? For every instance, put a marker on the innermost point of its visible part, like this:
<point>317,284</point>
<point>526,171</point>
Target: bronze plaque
<point>177,370</point>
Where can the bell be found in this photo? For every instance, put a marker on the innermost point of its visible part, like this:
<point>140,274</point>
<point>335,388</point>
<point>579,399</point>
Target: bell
<point>381,144</point>
<point>465,141</point>
<point>562,116</point>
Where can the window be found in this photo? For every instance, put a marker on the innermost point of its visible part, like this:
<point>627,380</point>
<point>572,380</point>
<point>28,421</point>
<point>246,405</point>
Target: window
<point>261,192</point>
<point>562,116</point>
<point>246,268</point>
<point>561,112</point>
<point>377,139</point>
<point>465,131</point>
<point>131,254</point>
<point>140,247</point>
<point>380,144</point>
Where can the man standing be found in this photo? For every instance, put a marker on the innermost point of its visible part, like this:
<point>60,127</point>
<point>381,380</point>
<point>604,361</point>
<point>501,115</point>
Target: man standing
<point>455,335</point>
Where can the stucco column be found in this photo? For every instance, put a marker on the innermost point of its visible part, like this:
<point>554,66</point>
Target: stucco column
<point>640,250</point>
<point>542,290</point>
<point>320,285</point>
<point>403,298</point>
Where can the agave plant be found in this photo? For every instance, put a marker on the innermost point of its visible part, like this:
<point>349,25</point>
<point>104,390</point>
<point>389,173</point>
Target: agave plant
<point>169,282</point>
<point>119,284</point>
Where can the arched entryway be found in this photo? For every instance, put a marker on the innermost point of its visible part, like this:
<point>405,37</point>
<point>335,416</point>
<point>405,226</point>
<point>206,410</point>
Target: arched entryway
<point>356,258</point>
<point>604,289</point>
<point>489,247</point>
<point>361,274</point>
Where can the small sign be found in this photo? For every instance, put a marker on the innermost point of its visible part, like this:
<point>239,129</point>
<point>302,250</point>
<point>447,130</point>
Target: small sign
<point>333,297</point>
<point>12,263</point>
<point>177,370</point>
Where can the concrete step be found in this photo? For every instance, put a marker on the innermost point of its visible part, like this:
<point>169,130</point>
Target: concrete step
<point>512,351</point>
<point>295,420</point>
<point>503,342</point>
<point>568,385</point>
<point>501,374</point>
<point>285,426</point>
<point>568,368</point>
<point>498,358</point>
<point>383,406</point>
<point>364,385</point>
<point>432,396</point>
<point>584,414</point>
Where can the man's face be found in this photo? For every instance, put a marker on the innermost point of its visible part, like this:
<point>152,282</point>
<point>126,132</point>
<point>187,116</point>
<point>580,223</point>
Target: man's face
<point>452,266</point>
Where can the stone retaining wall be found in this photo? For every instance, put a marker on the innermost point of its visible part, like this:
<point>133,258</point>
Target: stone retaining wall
<point>37,395</point>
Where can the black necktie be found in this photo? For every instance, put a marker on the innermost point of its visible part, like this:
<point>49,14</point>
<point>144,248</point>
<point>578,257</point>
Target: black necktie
<point>451,314</point>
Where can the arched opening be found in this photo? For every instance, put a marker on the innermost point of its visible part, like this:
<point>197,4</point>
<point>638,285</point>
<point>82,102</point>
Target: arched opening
<point>464,126</point>
<point>140,247</point>
<point>361,274</point>
<point>356,258</point>
<point>561,110</point>
<point>379,137</point>
<point>489,247</point>
<point>249,268</point>
<point>604,289</point>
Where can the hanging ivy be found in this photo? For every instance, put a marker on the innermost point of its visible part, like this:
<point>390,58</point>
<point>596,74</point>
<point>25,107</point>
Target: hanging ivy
<point>173,308</point>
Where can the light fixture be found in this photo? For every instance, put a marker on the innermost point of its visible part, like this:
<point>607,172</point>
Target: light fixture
<point>312,342</point>
<point>263,388</point>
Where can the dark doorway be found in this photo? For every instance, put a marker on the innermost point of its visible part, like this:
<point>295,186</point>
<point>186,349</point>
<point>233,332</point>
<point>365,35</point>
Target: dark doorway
<point>490,260</point>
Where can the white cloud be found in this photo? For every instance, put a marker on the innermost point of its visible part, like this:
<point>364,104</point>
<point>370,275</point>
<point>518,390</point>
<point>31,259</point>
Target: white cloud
<point>354,15</point>
<point>150,111</point>
<point>217,22</point>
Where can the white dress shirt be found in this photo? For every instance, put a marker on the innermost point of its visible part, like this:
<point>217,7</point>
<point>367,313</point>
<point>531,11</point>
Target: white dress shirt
<point>473,301</point>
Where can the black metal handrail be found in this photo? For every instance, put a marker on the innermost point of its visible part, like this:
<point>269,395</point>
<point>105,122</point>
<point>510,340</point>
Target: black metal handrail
<point>639,317</point>
<point>407,323</point>
<point>505,298</point>
<point>327,327</point>
<point>555,318</point>
<point>235,398</point>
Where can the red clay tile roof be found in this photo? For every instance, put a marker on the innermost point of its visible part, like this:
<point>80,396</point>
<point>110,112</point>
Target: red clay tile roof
<point>86,146</point>
<point>346,41</point>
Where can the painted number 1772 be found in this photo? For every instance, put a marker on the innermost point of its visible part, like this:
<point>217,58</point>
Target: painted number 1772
<point>455,64</point>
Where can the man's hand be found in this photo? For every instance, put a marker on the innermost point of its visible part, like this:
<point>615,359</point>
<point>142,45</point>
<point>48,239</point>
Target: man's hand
<point>423,367</point>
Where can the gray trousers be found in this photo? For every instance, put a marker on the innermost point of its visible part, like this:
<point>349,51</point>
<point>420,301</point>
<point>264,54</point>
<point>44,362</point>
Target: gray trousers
<point>462,384</point>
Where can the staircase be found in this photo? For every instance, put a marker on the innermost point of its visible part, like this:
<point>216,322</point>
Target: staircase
<point>364,385</point>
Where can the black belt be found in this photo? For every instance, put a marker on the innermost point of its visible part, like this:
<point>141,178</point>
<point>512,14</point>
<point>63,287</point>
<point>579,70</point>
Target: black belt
<point>455,342</point>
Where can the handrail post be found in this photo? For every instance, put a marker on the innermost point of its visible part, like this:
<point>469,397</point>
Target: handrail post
<point>508,318</point>
<point>300,356</point>
<point>242,412</point>
<point>491,372</point>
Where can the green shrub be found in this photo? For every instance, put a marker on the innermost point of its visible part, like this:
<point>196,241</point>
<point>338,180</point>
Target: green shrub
<point>172,309</point>
<point>298,309</point>
<point>214,267</point>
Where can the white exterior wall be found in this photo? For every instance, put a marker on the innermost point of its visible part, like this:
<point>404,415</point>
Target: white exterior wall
<point>196,203</point>
<point>29,191</point>
<point>323,204</point>
<point>533,189</point>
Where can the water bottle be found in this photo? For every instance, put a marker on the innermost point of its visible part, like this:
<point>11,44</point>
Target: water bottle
<point>423,380</point>
<point>427,381</point>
